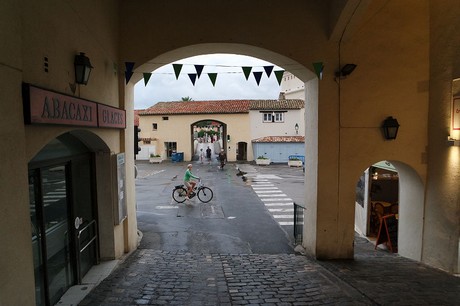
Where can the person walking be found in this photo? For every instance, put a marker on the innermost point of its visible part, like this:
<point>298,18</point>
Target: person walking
<point>222,158</point>
<point>208,154</point>
<point>188,180</point>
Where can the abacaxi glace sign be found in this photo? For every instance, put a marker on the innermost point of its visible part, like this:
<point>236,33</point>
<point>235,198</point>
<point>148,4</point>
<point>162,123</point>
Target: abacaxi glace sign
<point>47,107</point>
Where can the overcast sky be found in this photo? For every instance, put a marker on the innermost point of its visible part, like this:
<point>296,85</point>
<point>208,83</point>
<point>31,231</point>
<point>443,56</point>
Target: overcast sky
<point>230,83</point>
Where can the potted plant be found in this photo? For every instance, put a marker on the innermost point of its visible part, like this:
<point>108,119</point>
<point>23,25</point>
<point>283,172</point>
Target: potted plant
<point>155,158</point>
<point>262,160</point>
<point>295,162</point>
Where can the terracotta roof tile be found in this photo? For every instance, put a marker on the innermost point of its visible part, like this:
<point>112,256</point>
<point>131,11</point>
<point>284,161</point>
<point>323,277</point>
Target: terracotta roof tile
<point>220,106</point>
<point>280,139</point>
<point>198,107</point>
<point>277,104</point>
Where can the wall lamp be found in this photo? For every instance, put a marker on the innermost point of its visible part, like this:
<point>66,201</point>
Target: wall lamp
<point>296,128</point>
<point>82,68</point>
<point>390,128</point>
<point>345,71</point>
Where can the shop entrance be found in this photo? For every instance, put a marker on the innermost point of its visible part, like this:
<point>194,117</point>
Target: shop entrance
<point>63,217</point>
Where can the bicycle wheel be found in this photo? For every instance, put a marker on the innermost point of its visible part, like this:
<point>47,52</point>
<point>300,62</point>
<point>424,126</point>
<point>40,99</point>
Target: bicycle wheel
<point>179,194</point>
<point>205,194</point>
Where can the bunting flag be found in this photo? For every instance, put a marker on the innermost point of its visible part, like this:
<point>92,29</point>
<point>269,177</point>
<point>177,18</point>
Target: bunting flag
<point>129,66</point>
<point>212,77</point>
<point>199,70</point>
<point>247,72</point>
<point>257,76</point>
<point>318,69</point>
<point>268,70</point>
<point>192,77</point>
<point>279,75</point>
<point>147,76</point>
<point>177,69</point>
<point>128,75</point>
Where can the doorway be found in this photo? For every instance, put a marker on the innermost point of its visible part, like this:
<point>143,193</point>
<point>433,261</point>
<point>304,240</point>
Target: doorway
<point>242,151</point>
<point>63,217</point>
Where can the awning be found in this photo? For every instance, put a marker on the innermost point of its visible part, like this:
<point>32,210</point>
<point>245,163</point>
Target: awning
<point>385,165</point>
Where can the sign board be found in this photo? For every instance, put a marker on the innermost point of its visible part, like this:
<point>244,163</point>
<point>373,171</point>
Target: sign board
<point>47,107</point>
<point>110,117</point>
<point>388,232</point>
<point>121,210</point>
<point>43,106</point>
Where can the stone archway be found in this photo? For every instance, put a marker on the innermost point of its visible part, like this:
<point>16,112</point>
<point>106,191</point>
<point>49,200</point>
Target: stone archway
<point>311,85</point>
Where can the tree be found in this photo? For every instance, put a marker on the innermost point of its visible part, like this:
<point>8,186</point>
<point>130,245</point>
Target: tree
<point>187,98</point>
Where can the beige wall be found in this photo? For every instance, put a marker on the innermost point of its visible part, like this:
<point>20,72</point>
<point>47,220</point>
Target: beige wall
<point>287,128</point>
<point>31,31</point>
<point>179,129</point>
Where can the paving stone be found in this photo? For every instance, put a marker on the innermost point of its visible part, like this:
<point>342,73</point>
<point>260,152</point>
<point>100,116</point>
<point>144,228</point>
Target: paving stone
<point>150,277</point>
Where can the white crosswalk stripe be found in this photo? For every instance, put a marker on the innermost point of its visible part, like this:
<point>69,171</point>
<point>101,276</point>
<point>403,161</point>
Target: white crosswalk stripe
<point>278,203</point>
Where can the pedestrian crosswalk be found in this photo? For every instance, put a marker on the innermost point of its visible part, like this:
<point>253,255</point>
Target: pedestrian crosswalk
<point>280,205</point>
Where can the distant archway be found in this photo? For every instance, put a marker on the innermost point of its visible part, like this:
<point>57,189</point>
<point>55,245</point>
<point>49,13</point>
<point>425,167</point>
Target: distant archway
<point>207,134</point>
<point>392,187</point>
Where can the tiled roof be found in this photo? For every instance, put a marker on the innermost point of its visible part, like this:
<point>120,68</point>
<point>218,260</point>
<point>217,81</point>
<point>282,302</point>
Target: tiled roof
<point>220,106</point>
<point>280,139</point>
<point>277,104</point>
<point>198,107</point>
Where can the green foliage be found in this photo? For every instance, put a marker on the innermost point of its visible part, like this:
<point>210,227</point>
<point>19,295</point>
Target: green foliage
<point>262,157</point>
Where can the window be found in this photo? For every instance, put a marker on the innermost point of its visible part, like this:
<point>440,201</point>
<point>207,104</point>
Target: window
<point>165,118</point>
<point>273,117</point>
<point>268,117</point>
<point>154,126</point>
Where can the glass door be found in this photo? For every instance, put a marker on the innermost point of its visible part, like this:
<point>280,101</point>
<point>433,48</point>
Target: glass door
<point>84,215</point>
<point>51,233</point>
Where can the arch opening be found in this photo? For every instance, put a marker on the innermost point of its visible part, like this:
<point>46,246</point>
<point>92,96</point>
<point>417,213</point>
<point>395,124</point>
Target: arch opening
<point>388,189</point>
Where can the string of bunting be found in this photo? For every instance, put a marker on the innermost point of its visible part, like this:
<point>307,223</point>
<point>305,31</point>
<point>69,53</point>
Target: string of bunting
<point>246,70</point>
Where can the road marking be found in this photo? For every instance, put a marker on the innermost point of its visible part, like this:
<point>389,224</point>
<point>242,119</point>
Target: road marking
<point>166,207</point>
<point>280,204</point>
<point>281,209</point>
<point>265,187</point>
<point>267,191</point>
<point>281,199</point>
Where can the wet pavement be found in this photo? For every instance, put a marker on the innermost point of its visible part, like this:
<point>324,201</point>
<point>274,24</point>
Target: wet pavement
<point>233,252</point>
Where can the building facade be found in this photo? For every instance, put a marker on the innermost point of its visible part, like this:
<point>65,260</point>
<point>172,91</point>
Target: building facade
<point>237,122</point>
<point>406,56</point>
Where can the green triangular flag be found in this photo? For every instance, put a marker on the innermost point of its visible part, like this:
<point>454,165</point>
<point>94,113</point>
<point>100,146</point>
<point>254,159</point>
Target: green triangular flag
<point>177,69</point>
<point>247,72</point>
<point>192,77</point>
<point>257,76</point>
<point>279,75</point>
<point>318,69</point>
<point>212,77</point>
<point>147,76</point>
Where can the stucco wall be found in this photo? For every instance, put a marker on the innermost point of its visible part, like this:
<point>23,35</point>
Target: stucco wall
<point>442,209</point>
<point>258,128</point>
<point>178,129</point>
<point>57,30</point>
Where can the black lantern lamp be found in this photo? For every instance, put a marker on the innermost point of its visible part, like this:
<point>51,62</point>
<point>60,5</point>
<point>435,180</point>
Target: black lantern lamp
<point>345,71</point>
<point>390,128</point>
<point>82,68</point>
<point>296,128</point>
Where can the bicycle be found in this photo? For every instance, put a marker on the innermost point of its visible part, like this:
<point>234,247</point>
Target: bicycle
<point>204,193</point>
